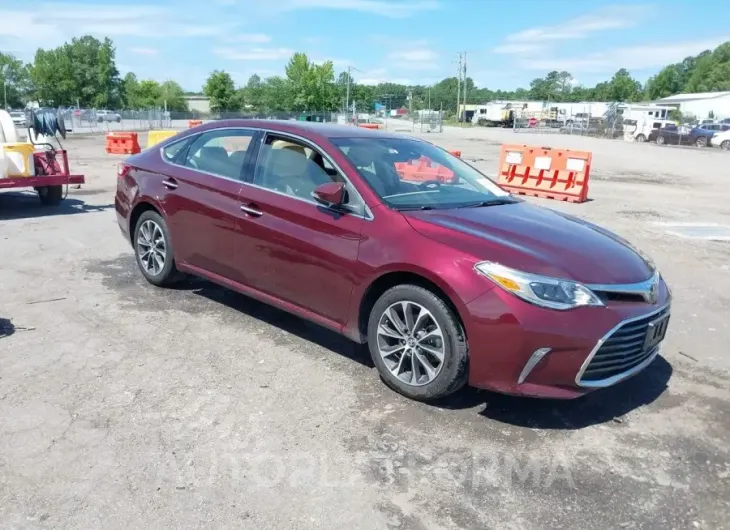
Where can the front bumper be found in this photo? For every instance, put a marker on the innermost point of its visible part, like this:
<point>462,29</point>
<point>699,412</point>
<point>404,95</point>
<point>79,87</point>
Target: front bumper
<point>518,348</point>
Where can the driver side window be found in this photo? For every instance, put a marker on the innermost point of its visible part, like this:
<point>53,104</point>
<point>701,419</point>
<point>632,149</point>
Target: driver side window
<point>292,168</point>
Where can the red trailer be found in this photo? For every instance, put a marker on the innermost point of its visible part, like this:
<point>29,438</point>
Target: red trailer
<point>52,175</point>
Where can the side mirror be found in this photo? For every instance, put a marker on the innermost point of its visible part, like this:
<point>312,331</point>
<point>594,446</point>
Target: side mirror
<point>330,194</point>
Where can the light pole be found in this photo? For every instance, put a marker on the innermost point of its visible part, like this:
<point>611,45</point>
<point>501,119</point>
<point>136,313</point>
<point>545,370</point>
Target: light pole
<point>347,91</point>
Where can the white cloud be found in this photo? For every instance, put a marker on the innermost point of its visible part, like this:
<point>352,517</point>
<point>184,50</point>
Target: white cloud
<point>414,59</point>
<point>632,58</point>
<point>418,55</point>
<point>607,18</point>
<point>254,54</point>
<point>534,41</point>
<point>24,30</point>
<point>518,48</point>
<point>144,51</point>
<point>401,9</point>
<point>250,38</point>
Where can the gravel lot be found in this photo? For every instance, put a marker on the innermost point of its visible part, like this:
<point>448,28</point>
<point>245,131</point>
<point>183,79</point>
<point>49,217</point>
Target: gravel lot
<point>122,405</point>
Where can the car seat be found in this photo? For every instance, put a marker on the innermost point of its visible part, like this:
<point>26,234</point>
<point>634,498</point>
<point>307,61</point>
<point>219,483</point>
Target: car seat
<point>384,180</point>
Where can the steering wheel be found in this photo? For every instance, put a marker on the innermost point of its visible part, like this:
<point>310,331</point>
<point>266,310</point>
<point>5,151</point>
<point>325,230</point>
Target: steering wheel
<point>430,184</point>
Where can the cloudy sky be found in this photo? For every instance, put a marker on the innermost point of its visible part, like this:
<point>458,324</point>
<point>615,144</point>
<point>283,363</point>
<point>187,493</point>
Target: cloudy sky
<point>508,43</point>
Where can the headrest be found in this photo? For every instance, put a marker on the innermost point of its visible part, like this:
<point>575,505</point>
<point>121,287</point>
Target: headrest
<point>361,156</point>
<point>214,152</point>
<point>288,163</point>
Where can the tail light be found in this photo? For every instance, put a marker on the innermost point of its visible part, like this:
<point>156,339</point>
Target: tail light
<point>123,170</point>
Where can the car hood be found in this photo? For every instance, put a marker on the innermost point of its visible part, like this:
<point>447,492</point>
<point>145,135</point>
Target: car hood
<point>535,240</point>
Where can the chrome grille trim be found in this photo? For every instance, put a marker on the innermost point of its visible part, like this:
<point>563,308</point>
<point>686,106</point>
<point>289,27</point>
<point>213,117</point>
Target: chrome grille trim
<point>646,289</point>
<point>626,329</point>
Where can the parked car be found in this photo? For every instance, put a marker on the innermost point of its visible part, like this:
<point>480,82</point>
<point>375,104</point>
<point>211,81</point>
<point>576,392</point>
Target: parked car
<point>447,282</point>
<point>108,116</point>
<point>681,135</point>
<point>722,140</point>
<point>19,118</point>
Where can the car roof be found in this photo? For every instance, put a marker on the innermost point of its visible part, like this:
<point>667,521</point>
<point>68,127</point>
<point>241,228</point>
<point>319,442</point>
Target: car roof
<point>307,129</point>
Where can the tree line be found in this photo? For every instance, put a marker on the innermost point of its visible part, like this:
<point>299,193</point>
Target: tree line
<point>83,72</point>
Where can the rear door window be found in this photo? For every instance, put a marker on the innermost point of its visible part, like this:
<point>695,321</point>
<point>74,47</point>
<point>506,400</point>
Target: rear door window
<point>220,152</point>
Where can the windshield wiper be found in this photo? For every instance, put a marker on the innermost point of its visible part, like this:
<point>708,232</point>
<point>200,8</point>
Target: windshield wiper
<point>411,208</point>
<point>490,202</point>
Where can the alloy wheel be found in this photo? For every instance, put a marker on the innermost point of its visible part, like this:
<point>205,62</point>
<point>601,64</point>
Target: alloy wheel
<point>411,343</point>
<point>151,247</point>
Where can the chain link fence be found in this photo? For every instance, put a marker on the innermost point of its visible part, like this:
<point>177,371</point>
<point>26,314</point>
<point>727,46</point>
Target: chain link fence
<point>79,121</point>
<point>607,125</point>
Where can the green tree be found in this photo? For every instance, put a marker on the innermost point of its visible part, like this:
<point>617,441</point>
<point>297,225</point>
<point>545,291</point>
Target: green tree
<point>173,97</point>
<point>253,92</point>
<point>222,92</point>
<point>82,70</point>
<point>623,87</point>
<point>14,81</point>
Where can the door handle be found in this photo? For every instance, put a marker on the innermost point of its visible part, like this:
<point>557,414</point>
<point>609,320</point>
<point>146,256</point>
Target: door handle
<point>252,211</point>
<point>169,183</point>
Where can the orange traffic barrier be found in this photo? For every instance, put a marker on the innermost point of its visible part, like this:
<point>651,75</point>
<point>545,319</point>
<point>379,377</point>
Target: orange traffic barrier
<point>194,123</point>
<point>456,153</point>
<point>369,126</point>
<point>559,174</point>
<point>122,143</point>
<point>422,171</point>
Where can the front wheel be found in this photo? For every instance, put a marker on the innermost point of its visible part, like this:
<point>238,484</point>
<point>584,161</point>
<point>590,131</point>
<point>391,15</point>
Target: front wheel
<point>660,140</point>
<point>725,145</point>
<point>417,343</point>
<point>153,249</point>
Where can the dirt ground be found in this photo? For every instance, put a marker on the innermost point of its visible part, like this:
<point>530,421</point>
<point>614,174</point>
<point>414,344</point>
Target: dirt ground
<point>123,405</point>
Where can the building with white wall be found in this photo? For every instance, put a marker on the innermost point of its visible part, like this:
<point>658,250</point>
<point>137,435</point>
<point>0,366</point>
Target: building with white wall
<point>700,105</point>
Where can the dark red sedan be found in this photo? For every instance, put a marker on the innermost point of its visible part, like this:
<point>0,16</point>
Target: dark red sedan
<point>448,280</point>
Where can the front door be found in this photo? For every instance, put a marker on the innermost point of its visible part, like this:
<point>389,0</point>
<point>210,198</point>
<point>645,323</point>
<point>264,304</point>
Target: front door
<point>290,246</point>
<point>203,204</point>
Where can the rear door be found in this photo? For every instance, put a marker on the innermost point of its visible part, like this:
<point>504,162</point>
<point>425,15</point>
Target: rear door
<point>202,200</point>
<point>288,245</point>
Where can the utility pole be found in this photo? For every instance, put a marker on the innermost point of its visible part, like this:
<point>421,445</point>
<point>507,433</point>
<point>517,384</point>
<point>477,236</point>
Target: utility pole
<point>347,92</point>
<point>458,87</point>
<point>465,86</point>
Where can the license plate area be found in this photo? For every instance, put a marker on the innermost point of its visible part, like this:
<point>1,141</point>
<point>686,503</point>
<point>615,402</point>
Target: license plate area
<point>656,332</point>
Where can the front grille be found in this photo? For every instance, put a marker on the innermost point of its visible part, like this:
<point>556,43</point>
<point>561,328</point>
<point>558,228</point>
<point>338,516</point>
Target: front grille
<point>622,350</point>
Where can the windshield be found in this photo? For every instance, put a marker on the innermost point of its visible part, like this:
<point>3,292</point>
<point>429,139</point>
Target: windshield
<point>411,174</point>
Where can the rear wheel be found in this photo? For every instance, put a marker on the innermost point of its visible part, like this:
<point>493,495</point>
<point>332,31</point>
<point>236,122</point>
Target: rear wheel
<point>641,138</point>
<point>701,141</point>
<point>153,250</point>
<point>50,195</point>
<point>417,343</point>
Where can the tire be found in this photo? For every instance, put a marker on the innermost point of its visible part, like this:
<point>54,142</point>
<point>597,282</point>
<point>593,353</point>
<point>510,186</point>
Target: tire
<point>450,374</point>
<point>50,195</point>
<point>641,138</point>
<point>660,140</point>
<point>701,142</point>
<point>119,120</point>
<point>725,145</point>
<point>167,274</point>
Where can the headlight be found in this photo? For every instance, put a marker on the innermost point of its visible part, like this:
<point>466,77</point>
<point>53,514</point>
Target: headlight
<point>544,291</point>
